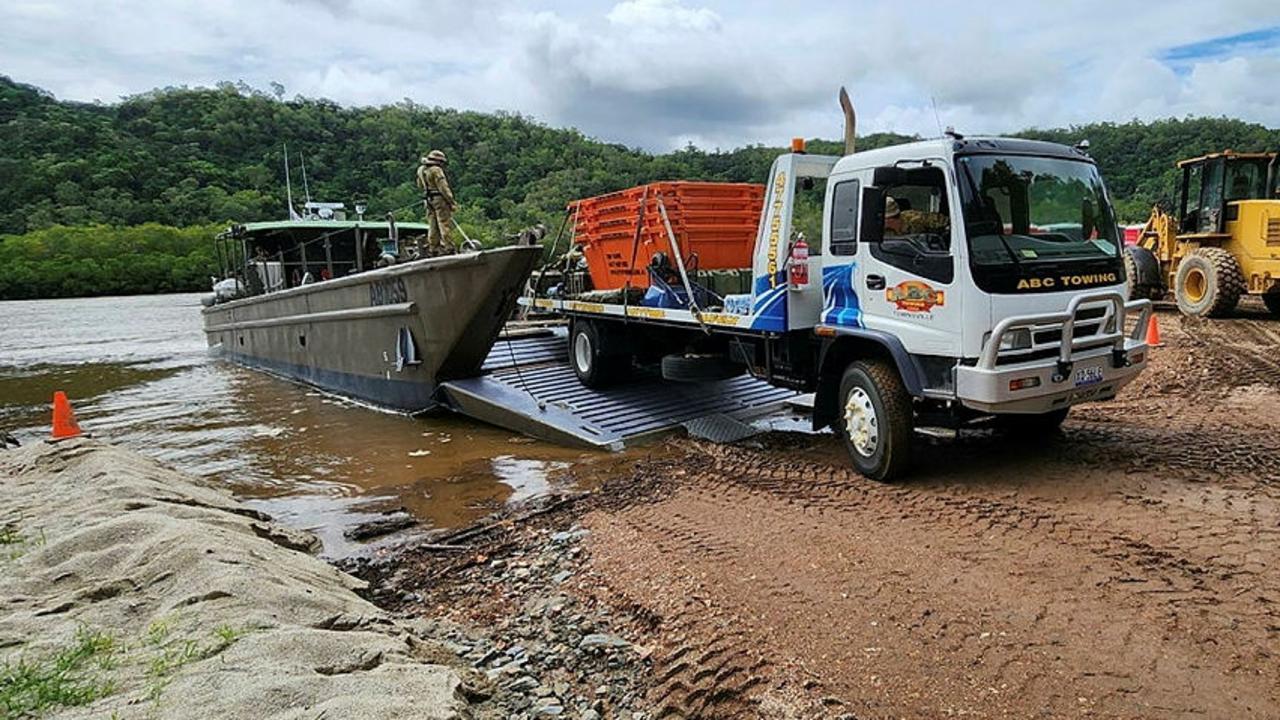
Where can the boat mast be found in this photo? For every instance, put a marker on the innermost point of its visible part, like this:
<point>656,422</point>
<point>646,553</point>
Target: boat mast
<point>288,186</point>
<point>305,187</point>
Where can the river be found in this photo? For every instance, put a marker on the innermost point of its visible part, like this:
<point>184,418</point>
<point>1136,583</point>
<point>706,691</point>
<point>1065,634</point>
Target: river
<point>138,374</point>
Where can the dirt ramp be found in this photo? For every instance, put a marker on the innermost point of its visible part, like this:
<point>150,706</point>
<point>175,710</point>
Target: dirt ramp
<point>780,584</point>
<point>130,589</point>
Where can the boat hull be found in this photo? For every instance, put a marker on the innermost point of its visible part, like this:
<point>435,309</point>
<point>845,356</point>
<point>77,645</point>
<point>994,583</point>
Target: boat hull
<point>387,336</point>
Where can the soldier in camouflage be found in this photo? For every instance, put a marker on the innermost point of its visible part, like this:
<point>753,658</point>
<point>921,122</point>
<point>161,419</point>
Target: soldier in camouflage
<point>439,203</point>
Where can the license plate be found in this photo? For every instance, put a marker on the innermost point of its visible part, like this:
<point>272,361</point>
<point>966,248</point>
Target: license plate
<point>1086,376</point>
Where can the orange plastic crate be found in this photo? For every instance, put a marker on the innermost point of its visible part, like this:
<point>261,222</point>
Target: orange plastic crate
<point>714,223</point>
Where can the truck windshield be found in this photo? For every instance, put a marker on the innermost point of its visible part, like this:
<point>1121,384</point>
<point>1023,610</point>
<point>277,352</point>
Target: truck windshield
<point>1028,211</point>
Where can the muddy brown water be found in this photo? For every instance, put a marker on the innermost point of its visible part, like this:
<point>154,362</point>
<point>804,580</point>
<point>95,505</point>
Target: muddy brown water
<point>138,373</point>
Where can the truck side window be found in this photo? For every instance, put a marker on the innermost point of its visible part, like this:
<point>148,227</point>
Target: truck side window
<point>844,218</point>
<point>917,226</point>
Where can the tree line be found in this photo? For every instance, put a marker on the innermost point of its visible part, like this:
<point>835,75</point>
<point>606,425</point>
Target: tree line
<point>103,260</point>
<point>192,157</point>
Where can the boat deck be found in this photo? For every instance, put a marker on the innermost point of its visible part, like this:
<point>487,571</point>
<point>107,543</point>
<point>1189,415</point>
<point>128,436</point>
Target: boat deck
<point>527,385</point>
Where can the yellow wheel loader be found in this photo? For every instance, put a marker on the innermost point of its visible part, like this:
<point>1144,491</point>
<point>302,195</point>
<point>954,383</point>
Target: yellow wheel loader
<point>1222,240</point>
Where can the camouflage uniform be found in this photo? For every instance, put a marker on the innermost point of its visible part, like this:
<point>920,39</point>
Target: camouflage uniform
<point>919,222</point>
<point>439,203</point>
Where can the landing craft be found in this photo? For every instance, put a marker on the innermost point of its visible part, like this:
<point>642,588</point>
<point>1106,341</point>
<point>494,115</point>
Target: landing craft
<point>327,301</point>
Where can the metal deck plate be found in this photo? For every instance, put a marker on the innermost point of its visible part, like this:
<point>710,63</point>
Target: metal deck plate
<point>539,395</point>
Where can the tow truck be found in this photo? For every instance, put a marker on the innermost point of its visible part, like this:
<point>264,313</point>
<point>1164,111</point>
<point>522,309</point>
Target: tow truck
<point>957,282</point>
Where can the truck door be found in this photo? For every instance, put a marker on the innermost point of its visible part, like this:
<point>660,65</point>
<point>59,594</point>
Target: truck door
<point>907,261</point>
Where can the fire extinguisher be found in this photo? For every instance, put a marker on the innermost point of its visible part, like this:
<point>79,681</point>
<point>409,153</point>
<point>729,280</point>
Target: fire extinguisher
<point>799,263</point>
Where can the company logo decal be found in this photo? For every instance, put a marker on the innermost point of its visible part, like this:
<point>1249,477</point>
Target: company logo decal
<point>915,296</point>
<point>1068,281</point>
<point>775,227</point>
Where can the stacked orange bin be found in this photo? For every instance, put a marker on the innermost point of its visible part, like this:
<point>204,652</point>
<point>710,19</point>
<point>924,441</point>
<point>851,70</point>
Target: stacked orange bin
<point>714,223</point>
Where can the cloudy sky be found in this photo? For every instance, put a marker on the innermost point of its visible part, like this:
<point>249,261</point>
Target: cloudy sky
<point>662,73</point>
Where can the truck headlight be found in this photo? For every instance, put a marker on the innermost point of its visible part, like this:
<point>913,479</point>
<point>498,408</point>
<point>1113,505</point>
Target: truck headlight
<point>1016,340</point>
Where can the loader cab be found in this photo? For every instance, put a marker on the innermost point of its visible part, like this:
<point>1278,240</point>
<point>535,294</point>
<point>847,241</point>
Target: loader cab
<point>1212,183</point>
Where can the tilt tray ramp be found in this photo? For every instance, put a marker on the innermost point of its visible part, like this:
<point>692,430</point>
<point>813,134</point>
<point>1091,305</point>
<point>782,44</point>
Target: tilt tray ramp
<point>527,385</point>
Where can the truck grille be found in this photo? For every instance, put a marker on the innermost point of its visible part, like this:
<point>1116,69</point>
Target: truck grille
<point>1273,232</point>
<point>1046,341</point>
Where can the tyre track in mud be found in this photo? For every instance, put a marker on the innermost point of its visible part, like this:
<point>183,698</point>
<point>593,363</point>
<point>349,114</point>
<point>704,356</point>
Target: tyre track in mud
<point>1123,570</point>
<point>903,600</point>
<point>1243,351</point>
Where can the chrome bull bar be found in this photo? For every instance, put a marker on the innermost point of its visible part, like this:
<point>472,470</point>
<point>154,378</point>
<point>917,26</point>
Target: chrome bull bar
<point>1070,344</point>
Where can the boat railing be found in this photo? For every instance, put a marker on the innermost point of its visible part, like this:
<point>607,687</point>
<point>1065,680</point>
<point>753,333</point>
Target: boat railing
<point>242,257</point>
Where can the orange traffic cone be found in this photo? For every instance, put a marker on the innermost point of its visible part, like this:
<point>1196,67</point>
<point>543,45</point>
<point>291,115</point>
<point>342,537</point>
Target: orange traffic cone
<point>1153,332</point>
<point>64,420</point>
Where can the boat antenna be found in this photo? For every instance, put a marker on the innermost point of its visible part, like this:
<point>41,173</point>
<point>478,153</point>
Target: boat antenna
<point>936,117</point>
<point>305,187</point>
<point>288,185</point>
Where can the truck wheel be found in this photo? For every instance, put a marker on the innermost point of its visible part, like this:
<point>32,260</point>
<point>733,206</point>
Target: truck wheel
<point>596,364</point>
<point>698,368</point>
<point>1029,426</point>
<point>1209,283</point>
<point>1272,301</point>
<point>875,419</point>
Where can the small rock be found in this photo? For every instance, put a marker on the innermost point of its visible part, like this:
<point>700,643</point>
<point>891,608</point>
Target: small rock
<point>602,640</point>
<point>524,683</point>
<point>483,658</point>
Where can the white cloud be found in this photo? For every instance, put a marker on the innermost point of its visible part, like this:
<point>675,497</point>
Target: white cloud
<point>664,72</point>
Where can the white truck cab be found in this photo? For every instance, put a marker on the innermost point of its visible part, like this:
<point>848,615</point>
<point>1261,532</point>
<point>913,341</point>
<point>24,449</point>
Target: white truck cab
<point>989,269</point>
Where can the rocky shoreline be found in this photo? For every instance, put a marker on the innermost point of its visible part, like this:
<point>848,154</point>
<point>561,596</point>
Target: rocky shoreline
<point>518,606</point>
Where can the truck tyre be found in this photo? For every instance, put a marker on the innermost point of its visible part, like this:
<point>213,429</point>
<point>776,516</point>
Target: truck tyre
<point>1142,274</point>
<point>1272,301</point>
<point>1029,426</point>
<point>595,360</point>
<point>1209,283</point>
<point>698,368</point>
<point>875,419</point>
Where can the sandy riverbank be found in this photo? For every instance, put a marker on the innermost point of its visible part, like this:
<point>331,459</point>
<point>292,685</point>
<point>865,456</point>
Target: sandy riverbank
<point>129,590</point>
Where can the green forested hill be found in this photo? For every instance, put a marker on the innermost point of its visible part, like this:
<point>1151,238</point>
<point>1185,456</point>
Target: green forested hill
<point>184,157</point>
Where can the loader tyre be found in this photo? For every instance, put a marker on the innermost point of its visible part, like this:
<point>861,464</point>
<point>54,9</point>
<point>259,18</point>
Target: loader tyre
<point>1142,274</point>
<point>1208,283</point>
<point>596,360</point>
<point>1272,301</point>
<point>875,420</point>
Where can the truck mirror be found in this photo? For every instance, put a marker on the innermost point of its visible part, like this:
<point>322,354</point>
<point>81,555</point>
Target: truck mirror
<point>872,228</point>
<point>889,176</point>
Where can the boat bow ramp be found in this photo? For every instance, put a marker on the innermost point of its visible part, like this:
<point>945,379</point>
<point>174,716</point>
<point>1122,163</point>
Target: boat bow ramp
<point>527,385</point>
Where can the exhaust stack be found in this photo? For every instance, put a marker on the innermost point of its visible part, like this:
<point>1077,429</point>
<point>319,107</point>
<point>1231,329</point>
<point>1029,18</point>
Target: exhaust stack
<point>850,121</point>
